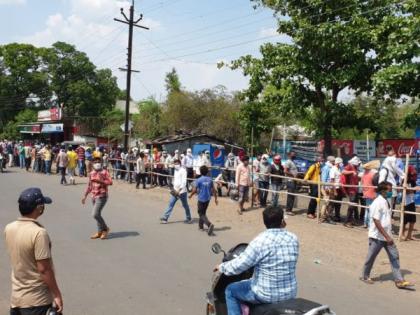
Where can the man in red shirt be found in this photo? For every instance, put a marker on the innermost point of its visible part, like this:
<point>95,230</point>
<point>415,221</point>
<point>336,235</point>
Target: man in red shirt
<point>99,180</point>
<point>351,175</point>
<point>81,160</point>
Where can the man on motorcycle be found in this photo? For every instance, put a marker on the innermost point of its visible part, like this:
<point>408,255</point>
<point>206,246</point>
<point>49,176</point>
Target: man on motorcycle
<point>273,254</point>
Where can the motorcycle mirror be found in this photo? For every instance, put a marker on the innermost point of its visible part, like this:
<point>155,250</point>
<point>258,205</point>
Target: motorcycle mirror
<point>216,248</point>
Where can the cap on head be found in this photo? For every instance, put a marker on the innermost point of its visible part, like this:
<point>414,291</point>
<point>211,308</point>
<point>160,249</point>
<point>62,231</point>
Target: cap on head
<point>355,161</point>
<point>331,159</point>
<point>338,160</point>
<point>265,156</point>
<point>30,198</point>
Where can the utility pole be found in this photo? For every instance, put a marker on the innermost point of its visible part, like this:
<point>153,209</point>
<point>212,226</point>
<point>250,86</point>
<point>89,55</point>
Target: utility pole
<point>131,23</point>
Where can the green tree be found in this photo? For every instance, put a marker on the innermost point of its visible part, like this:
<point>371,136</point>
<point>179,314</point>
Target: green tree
<point>332,49</point>
<point>111,121</point>
<point>172,82</point>
<point>11,130</point>
<point>147,124</point>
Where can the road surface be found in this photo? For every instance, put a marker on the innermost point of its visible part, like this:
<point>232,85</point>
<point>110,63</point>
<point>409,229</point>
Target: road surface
<point>148,268</point>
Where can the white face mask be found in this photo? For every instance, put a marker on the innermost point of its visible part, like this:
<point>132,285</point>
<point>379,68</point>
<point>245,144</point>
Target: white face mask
<point>97,166</point>
<point>177,166</point>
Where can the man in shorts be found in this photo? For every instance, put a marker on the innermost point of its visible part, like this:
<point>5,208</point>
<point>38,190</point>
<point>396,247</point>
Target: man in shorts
<point>242,181</point>
<point>205,189</point>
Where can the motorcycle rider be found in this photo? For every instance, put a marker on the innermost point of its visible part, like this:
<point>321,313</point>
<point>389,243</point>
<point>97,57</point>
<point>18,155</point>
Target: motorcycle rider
<point>273,254</point>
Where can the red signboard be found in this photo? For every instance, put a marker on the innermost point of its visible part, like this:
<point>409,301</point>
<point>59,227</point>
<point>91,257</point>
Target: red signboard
<point>345,147</point>
<point>401,147</point>
<point>52,114</point>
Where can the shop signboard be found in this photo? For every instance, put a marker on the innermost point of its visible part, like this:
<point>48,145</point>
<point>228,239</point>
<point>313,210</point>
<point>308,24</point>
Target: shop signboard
<point>401,147</point>
<point>361,149</point>
<point>51,128</point>
<point>30,129</point>
<point>52,114</point>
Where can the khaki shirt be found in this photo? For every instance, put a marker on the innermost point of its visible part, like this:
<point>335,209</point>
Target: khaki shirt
<point>27,242</point>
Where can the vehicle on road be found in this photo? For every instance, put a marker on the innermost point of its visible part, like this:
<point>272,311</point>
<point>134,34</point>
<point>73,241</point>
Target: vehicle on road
<point>216,302</point>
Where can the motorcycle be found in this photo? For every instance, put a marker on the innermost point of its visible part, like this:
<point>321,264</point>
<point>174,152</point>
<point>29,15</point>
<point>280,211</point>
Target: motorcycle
<point>216,300</point>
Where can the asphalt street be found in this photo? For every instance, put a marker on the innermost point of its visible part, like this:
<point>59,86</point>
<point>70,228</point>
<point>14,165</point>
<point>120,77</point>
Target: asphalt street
<point>149,268</point>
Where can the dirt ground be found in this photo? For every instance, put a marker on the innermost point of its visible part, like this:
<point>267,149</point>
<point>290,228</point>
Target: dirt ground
<point>336,246</point>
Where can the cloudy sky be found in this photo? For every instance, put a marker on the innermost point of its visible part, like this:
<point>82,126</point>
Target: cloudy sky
<point>190,35</point>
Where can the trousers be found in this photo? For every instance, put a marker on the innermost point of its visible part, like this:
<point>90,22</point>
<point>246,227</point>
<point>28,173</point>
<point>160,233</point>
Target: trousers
<point>98,206</point>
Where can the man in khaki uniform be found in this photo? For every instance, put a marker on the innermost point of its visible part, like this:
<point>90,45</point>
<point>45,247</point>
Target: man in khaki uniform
<point>34,288</point>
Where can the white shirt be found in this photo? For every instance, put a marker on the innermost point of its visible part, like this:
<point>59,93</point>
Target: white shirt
<point>335,176</point>
<point>187,161</point>
<point>380,210</point>
<point>180,180</point>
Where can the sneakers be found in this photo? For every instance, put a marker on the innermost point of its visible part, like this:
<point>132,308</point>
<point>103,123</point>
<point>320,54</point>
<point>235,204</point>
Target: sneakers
<point>96,236</point>
<point>105,233</point>
<point>210,231</point>
<point>163,221</point>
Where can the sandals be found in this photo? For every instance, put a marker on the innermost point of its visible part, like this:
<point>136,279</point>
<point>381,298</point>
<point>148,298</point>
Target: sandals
<point>367,280</point>
<point>404,285</point>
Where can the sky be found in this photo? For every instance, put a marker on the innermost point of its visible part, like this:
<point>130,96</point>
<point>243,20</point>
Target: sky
<point>190,35</point>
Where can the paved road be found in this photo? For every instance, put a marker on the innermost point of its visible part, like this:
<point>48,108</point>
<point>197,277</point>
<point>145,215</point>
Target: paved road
<point>148,268</point>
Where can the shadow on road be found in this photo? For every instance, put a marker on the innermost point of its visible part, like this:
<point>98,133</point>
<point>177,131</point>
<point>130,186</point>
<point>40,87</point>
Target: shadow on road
<point>221,229</point>
<point>390,277</point>
<point>113,235</point>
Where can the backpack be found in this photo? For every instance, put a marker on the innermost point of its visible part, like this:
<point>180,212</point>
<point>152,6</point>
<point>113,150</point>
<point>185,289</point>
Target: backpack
<point>375,179</point>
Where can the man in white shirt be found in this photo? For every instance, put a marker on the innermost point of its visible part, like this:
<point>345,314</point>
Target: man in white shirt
<point>380,229</point>
<point>188,164</point>
<point>337,195</point>
<point>179,191</point>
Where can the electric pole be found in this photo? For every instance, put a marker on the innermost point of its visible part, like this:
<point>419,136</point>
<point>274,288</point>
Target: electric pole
<point>131,23</point>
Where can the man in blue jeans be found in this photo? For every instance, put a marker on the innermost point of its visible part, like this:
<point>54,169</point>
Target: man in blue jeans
<point>179,191</point>
<point>273,254</point>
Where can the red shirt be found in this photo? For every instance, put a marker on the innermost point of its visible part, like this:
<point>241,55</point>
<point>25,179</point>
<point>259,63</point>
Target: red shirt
<point>367,180</point>
<point>80,153</point>
<point>98,189</point>
<point>351,180</point>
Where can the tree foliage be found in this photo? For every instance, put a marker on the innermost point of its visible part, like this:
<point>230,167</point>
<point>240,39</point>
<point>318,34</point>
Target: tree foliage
<point>11,130</point>
<point>172,82</point>
<point>334,48</point>
<point>147,124</point>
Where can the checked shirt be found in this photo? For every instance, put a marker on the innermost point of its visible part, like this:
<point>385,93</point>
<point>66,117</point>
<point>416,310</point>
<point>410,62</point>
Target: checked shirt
<point>274,254</point>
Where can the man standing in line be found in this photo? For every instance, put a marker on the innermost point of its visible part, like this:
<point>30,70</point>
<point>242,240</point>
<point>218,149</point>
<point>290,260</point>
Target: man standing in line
<point>140,171</point>
<point>34,287</point>
<point>264,180</point>
<point>276,181</point>
<point>179,191</point>
<point>21,151</point>
<point>99,180</point>
<point>205,189</point>
<point>62,161</point>
<point>27,153</point>
<point>352,178</point>
<point>327,191</point>
<point>380,229</point>
<point>313,174</point>
<point>243,181</point>
<point>291,171</point>
<point>188,163</point>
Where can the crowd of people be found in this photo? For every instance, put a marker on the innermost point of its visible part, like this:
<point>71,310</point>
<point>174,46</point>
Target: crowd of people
<point>264,175</point>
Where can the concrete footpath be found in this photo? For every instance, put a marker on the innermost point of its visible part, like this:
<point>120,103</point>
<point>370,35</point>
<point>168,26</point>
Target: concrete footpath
<point>148,268</point>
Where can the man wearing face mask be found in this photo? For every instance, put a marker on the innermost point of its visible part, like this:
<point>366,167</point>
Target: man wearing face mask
<point>188,163</point>
<point>34,287</point>
<point>99,180</point>
<point>264,179</point>
<point>179,191</point>
<point>389,171</point>
<point>380,229</point>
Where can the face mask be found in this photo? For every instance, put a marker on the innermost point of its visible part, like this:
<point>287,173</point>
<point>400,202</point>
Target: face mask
<point>97,166</point>
<point>177,166</point>
<point>389,195</point>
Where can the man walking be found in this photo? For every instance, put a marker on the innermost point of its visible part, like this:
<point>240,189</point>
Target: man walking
<point>99,180</point>
<point>179,191</point>
<point>380,229</point>
<point>62,161</point>
<point>71,166</point>
<point>34,287</point>
<point>81,160</point>
<point>291,171</point>
<point>205,189</point>
<point>140,171</point>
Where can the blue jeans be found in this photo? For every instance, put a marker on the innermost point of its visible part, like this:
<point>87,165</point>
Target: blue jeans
<point>366,218</point>
<point>21,161</point>
<point>47,167</point>
<point>172,203</point>
<point>81,164</point>
<point>274,195</point>
<point>238,293</point>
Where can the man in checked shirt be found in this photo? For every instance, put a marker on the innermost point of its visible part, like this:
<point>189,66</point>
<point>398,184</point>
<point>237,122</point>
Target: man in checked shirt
<point>273,254</point>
